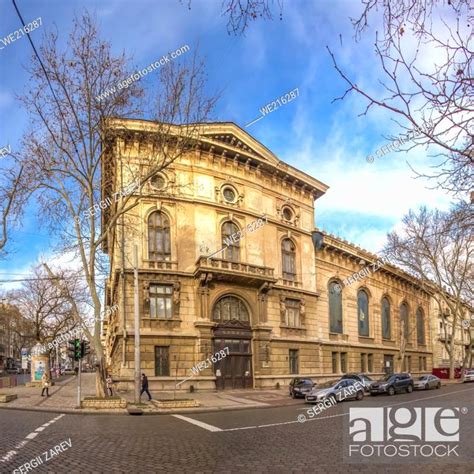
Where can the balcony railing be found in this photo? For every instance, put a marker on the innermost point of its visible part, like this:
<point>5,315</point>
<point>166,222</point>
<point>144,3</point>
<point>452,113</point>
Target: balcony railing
<point>234,271</point>
<point>160,265</point>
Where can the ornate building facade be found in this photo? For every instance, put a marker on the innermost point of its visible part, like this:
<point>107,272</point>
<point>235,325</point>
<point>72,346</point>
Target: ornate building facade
<point>229,260</point>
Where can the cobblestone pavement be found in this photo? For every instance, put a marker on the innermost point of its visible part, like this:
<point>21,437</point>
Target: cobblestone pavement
<point>252,440</point>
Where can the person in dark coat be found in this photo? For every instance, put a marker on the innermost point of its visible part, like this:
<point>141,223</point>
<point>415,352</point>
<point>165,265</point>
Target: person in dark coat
<point>145,386</point>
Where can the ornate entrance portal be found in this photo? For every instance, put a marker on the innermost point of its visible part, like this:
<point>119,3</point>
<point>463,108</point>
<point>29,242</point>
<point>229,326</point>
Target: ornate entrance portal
<point>233,331</point>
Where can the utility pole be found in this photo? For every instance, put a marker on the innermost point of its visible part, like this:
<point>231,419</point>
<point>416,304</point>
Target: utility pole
<point>79,385</point>
<point>137,325</point>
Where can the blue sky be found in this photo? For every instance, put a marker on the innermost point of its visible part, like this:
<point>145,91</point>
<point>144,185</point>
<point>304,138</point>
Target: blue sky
<point>323,138</point>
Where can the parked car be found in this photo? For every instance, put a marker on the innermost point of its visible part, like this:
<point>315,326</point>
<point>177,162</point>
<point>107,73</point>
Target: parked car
<point>468,376</point>
<point>337,391</point>
<point>300,387</point>
<point>426,382</point>
<point>365,380</point>
<point>393,383</point>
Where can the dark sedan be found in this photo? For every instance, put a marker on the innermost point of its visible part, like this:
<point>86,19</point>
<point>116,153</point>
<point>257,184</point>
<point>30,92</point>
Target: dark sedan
<point>393,383</point>
<point>300,387</point>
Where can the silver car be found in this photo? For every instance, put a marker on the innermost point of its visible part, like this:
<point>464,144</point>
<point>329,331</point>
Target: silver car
<point>468,376</point>
<point>336,391</point>
<point>426,382</point>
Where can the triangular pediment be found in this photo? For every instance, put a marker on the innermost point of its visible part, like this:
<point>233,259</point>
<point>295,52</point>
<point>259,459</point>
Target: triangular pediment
<point>233,137</point>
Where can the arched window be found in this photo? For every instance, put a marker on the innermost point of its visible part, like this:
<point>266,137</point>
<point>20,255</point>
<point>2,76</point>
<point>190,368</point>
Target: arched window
<point>231,241</point>
<point>363,312</point>
<point>335,307</point>
<point>288,256</point>
<point>386,323</point>
<point>420,326</point>
<point>404,320</point>
<point>159,247</point>
<point>230,308</point>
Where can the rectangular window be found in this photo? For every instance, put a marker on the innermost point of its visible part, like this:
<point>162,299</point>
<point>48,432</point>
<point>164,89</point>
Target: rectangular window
<point>420,363</point>
<point>363,367</point>
<point>408,363</point>
<point>334,356</point>
<point>294,361</point>
<point>343,362</point>
<point>162,361</point>
<point>161,301</point>
<point>370,359</point>
<point>388,364</point>
<point>292,315</point>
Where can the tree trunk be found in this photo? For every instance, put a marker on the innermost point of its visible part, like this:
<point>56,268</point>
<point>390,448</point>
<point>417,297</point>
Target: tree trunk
<point>100,376</point>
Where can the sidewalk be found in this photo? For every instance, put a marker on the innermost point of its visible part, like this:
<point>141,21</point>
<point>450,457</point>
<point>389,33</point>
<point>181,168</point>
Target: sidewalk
<point>63,398</point>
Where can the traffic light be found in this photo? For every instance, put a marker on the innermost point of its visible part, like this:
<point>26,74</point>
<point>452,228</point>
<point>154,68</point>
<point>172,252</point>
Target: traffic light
<point>77,349</point>
<point>85,348</point>
<point>71,348</point>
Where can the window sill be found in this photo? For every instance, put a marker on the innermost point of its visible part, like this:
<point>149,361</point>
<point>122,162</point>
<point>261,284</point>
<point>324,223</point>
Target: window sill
<point>297,328</point>
<point>162,320</point>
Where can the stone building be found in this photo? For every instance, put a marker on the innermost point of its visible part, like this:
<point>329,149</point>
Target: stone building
<point>443,332</point>
<point>229,260</point>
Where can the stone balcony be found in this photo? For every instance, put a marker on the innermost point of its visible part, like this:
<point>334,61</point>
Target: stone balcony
<point>238,272</point>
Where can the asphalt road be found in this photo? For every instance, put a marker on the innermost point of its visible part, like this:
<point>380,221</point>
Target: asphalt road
<point>254,440</point>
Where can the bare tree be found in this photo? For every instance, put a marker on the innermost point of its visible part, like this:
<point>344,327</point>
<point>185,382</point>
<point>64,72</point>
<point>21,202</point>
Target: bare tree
<point>418,92</point>
<point>70,154</point>
<point>11,194</point>
<point>44,306</point>
<point>240,13</point>
<point>438,249</point>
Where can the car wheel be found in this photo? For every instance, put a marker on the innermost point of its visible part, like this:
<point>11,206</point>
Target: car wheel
<point>391,391</point>
<point>332,399</point>
<point>410,388</point>
<point>439,385</point>
<point>427,387</point>
<point>360,395</point>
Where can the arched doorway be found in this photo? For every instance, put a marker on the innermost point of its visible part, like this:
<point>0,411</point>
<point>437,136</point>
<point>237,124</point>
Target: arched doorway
<point>233,332</point>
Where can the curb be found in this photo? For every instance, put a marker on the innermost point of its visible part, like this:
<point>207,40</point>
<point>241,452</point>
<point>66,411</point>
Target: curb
<point>73,411</point>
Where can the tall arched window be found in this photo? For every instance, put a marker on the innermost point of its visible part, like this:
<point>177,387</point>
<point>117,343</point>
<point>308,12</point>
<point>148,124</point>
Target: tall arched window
<point>159,246</point>
<point>386,323</point>
<point>230,308</point>
<point>420,326</point>
<point>288,256</point>
<point>363,312</point>
<point>335,307</point>
<point>404,320</point>
<point>231,241</point>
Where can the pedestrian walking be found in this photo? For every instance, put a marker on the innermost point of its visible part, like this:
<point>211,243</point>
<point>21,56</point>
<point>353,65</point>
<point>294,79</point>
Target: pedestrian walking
<point>76,370</point>
<point>145,386</point>
<point>109,383</point>
<point>46,381</point>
